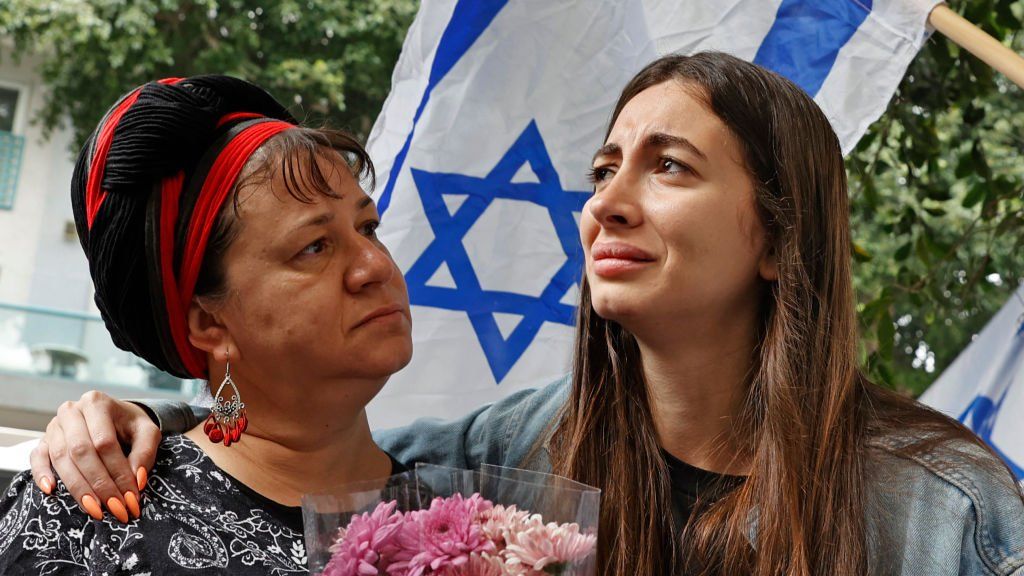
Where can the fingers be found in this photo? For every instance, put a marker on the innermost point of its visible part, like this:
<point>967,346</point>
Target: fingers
<point>68,472</point>
<point>39,461</point>
<point>144,437</point>
<point>83,446</point>
<point>78,462</point>
<point>99,412</point>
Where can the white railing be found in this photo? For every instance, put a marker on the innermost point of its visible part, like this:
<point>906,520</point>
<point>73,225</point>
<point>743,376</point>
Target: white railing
<point>76,347</point>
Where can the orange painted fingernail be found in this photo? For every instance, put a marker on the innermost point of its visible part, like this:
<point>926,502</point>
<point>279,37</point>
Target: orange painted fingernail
<point>92,507</point>
<point>47,485</point>
<point>117,509</point>
<point>142,477</point>
<point>133,504</point>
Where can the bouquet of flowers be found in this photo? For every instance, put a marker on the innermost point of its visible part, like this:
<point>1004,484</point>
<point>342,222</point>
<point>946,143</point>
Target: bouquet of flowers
<point>447,522</point>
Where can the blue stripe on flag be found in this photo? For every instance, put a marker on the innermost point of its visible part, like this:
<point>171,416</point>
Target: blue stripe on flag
<point>469,19</point>
<point>805,40</point>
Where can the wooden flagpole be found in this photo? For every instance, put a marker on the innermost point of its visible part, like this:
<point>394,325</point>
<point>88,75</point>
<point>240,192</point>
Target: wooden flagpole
<point>977,42</point>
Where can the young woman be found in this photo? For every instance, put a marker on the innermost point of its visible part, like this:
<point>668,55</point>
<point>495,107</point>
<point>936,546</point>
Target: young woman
<point>715,396</point>
<point>225,243</point>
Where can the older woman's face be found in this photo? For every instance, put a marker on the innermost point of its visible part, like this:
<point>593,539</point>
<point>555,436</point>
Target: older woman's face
<point>671,235</point>
<point>313,295</point>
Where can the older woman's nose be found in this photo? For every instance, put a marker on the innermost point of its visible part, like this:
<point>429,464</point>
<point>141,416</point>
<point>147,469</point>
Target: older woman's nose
<point>372,266</point>
<point>616,204</point>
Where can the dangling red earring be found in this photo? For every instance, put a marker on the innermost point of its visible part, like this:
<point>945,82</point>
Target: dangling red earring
<point>227,420</point>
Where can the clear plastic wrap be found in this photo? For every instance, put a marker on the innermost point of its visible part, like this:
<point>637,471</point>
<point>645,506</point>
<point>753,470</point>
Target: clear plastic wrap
<point>451,522</point>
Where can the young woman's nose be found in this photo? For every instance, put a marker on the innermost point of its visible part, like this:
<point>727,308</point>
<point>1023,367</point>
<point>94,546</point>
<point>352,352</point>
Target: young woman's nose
<point>372,266</point>
<point>616,204</point>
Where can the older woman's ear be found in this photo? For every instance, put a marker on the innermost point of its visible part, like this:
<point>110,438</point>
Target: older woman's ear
<point>207,332</point>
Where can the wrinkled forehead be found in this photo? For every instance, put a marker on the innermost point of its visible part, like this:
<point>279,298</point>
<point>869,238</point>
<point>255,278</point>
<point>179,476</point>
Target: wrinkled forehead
<point>675,110</point>
<point>671,107</point>
<point>302,174</point>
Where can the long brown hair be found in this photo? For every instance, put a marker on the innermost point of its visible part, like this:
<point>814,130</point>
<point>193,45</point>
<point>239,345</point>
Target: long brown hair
<point>809,412</point>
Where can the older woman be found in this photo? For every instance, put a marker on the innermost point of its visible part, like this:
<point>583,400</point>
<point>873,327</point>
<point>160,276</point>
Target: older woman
<point>715,396</point>
<point>226,243</point>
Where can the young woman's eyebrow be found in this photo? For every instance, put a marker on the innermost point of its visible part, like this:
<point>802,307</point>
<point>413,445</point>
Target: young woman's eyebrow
<point>607,150</point>
<point>664,140</point>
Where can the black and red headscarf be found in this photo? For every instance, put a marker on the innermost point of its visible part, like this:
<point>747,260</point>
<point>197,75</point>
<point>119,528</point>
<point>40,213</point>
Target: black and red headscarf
<point>147,190</point>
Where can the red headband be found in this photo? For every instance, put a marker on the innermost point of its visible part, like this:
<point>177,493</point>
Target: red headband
<point>178,289</point>
<point>94,194</point>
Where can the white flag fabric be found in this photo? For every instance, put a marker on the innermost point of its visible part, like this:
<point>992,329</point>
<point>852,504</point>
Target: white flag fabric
<point>984,386</point>
<point>483,145</point>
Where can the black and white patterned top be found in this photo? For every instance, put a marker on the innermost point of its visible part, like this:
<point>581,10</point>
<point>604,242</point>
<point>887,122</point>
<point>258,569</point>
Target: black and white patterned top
<point>196,519</point>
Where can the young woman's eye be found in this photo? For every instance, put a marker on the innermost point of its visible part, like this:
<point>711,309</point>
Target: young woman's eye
<point>599,174</point>
<point>673,166</point>
<point>370,228</point>
<point>314,248</point>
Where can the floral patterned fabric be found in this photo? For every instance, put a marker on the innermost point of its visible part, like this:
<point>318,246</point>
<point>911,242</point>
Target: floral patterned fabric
<point>196,519</point>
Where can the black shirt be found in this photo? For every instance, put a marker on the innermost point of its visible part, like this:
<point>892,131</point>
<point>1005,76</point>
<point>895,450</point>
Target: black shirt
<point>291,516</point>
<point>196,519</point>
<point>690,483</point>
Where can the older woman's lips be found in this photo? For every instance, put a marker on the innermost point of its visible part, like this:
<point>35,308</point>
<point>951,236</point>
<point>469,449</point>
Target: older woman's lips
<point>612,259</point>
<point>392,313</point>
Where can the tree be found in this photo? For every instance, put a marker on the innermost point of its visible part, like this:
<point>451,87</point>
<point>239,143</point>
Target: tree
<point>937,205</point>
<point>330,59</point>
<point>936,184</point>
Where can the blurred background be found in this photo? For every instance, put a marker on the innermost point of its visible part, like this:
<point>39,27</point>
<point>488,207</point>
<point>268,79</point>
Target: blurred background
<point>936,184</point>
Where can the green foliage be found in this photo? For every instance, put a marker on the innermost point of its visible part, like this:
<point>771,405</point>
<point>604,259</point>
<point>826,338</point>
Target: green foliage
<point>936,184</point>
<point>937,190</point>
<point>330,59</point>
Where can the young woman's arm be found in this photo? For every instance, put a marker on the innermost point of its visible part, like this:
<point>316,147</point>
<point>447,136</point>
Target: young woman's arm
<point>511,432</point>
<point>83,442</point>
<point>949,510</point>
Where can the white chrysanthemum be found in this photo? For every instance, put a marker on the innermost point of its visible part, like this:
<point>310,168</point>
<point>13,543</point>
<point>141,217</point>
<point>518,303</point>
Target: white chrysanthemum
<point>542,545</point>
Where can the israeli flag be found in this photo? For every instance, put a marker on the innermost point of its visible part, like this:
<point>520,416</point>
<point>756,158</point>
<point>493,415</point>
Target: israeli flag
<point>984,386</point>
<point>482,147</point>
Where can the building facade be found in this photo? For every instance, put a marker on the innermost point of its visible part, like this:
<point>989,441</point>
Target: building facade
<point>53,345</point>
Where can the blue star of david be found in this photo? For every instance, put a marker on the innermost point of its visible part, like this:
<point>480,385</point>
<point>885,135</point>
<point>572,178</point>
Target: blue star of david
<point>447,248</point>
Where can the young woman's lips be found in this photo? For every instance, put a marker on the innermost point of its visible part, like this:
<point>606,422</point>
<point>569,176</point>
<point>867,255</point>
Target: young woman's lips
<point>612,259</point>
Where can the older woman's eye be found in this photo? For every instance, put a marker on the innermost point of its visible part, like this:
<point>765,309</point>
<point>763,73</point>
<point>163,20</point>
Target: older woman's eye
<point>370,228</point>
<point>314,248</point>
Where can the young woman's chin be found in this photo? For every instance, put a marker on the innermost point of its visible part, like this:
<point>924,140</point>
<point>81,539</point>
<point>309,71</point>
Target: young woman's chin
<point>620,308</point>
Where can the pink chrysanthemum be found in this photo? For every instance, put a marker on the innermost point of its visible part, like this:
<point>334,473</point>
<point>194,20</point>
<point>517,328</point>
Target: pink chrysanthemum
<point>362,545</point>
<point>499,520</point>
<point>543,545</point>
<point>488,565</point>
<point>441,538</point>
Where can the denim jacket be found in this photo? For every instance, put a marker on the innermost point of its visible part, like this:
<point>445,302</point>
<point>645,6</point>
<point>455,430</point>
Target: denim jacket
<point>926,516</point>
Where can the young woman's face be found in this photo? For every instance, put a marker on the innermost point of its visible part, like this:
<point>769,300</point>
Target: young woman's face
<point>671,234</point>
<point>313,295</point>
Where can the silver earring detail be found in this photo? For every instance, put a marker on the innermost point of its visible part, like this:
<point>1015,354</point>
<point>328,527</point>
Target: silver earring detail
<point>227,420</point>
